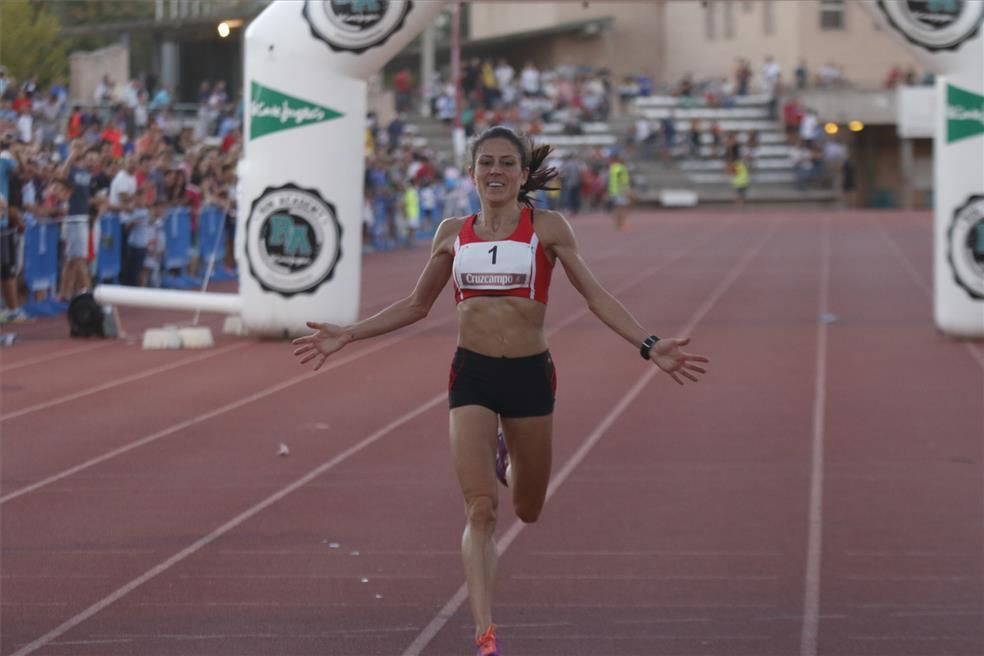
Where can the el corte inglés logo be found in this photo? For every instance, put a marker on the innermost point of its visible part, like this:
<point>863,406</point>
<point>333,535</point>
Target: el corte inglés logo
<point>965,248</point>
<point>293,240</point>
<point>271,111</point>
<point>934,24</point>
<point>964,114</point>
<point>355,25</point>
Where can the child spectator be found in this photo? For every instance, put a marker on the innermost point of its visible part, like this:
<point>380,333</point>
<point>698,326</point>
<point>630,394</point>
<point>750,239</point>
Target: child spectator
<point>140,233</point>
<point>154,259</point>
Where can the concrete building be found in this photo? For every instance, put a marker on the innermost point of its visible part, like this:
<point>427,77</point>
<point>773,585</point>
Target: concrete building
<point>667,40</point>
<point>671,38</point>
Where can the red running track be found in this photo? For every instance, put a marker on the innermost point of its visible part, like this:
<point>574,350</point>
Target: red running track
<point>820,493</point>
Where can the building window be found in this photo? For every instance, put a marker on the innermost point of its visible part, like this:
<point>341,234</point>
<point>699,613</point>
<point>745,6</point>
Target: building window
<point>769,17</point>
<point>710,24</point>
<point>832,14</point>
<point>729,20</point>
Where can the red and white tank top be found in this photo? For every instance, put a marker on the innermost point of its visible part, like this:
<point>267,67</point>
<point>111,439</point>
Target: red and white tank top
<point>514,266</point>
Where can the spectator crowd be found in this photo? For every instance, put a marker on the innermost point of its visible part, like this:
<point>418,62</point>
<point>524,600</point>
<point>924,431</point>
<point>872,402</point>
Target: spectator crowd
<point>127,153</point>
<point>131,152</point>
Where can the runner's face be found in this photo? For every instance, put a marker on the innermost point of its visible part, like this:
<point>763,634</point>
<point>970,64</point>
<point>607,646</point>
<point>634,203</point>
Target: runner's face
<point>498,172</point>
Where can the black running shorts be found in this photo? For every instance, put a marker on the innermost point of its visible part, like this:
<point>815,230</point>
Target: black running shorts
<point>509,387</point>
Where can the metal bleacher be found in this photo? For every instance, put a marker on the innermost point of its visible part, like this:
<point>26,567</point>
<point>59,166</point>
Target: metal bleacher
<point>771,167</point>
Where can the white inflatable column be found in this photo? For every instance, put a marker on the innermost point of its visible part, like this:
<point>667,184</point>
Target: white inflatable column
<point>299,236</point>
<point>947,36</point>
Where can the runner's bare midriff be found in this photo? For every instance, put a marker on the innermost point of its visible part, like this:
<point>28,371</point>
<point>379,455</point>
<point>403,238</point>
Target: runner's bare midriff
<point>502,326</point>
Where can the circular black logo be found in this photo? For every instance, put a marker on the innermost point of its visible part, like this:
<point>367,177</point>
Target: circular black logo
<point>355,25</point>
<point>293,240</point>
<point>965,248</point>
<point>934,14</point>
<point>934,24</point>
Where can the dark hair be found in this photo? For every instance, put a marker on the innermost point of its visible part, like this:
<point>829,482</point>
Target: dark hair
<point>531,157</point>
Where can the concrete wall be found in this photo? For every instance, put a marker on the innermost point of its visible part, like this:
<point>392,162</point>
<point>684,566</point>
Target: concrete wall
<point>864,51</point>
<point>669,38</point>
<point>870,106</point>
<point>86,69</point>
<point>629,46</point>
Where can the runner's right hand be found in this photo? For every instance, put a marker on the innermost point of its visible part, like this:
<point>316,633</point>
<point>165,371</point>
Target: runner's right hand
<point>327,339</point>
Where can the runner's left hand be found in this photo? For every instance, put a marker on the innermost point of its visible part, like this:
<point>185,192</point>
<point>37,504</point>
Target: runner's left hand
<point>668,355</point>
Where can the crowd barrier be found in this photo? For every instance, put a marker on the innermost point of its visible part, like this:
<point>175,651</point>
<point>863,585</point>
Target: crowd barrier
<point>41,254</point>
<point>109,254</point>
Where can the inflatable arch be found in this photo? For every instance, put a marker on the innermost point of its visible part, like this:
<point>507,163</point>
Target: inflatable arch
<point>299,235</point>
<point>947,37</point>
<point>298,241</point>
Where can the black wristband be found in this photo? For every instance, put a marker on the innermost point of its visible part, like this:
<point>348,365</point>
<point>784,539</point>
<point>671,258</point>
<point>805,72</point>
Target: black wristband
<point>647,346</point>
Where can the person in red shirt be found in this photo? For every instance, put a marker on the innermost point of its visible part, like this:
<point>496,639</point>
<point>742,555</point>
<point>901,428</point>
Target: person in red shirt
<point>230,139</point>
<point>403,86</point>
<point>502,373</point>
<point>792,115</point>
<point>74,130</point>
<point>22,101</point>
<point>112,135</point>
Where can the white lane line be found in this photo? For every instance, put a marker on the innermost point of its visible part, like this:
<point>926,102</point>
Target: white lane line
<point>661,554</point>
<point>666,620</point>
<point>174,428</point>
<point>107,641</point>
<point>645,577</point>
<point>814,541</point>
<point>121,381</point>
<point>332,364</point>
<point>199,544</point>
<point>976,578</point>
<point>975,352</point>
<point>909,554</point>
<point>367,311</point>
<point>926,287</point>
<point>527,604</point>
<point>454,603</point>
<point>202,542</point>
<point>56,355</point>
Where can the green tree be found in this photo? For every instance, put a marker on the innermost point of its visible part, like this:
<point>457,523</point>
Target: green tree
<point>29,41</point>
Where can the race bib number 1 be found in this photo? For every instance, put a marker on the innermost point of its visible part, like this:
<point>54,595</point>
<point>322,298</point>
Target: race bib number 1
<point>494,265</point>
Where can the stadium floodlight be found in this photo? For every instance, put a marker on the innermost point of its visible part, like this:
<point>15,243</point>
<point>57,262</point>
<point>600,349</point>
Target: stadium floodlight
<point>225,27</point>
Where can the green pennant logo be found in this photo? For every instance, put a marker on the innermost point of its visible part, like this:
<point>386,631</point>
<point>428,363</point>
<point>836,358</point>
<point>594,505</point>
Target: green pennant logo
<point>272,111</point>
<point>964,114</point>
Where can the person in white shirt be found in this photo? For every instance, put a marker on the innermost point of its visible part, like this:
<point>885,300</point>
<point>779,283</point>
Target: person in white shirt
<point>104,91</point>
<point>124,185</point>
<point>25,126</point>
<point>829,75</point>
<point>530,79</point>
<point>809,126</point>
<point>771,73</point>
<point>504,74</point>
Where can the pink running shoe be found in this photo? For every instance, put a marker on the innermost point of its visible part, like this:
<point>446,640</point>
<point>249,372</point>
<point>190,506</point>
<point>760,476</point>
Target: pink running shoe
<point>501,459</point>
<point>487,643</point>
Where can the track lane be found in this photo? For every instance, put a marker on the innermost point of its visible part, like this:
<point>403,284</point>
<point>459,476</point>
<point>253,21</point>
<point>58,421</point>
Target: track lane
<point>253,420</point>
